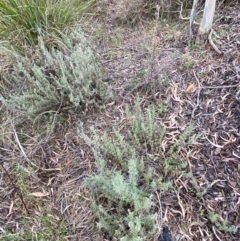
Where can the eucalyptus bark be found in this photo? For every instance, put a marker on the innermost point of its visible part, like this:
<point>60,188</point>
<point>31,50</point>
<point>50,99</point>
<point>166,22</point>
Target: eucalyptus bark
<point>207,20</point>
<point>192,18</point>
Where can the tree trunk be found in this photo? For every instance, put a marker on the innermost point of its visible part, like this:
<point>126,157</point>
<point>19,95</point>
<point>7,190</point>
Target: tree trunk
<point>192,18</point>
<point>207,20</point>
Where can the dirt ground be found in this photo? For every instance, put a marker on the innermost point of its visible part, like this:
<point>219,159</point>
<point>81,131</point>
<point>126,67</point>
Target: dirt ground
<point>196,84</point>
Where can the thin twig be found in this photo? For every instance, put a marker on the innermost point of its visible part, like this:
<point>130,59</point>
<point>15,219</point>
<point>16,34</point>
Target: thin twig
<point>160,207</point>
<point>180,13</point>
<point>215,145</point>
<point>198,94</point>
<point>15,187</point>
<point>220,86</point>
<point>215,233</point>
<point>185,18</point>
<point>208,87</point>
<point>22,150</point>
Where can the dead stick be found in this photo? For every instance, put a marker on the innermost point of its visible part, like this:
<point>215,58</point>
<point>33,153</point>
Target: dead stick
<point>212,43</point>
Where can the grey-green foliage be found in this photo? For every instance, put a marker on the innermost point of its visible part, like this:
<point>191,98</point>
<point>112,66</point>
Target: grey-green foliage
<point>66,76</point>
<point>145,130</point>
<point>144,127</point>
<point>200,191</point>
<point>126,176</point>
<point>115,148</point>
<point>125,214</point>
<point>182,141</point>
<point>220,223</point>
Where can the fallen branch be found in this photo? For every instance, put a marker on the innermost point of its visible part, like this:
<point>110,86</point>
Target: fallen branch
<point>212,43</point>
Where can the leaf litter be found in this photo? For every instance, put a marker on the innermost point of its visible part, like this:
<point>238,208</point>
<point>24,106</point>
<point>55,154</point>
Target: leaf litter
<point>205,93</point>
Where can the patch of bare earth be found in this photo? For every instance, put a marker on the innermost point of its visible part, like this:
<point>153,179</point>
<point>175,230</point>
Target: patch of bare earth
<point>148,61</point>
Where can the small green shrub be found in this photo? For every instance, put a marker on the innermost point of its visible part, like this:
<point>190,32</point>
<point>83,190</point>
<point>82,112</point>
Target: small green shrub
<point>199,191</point>
<point>63,77</point>
<point>182,141</point>
<point>121,189</point>
<point>23,21</point>
<point>220,223</point>
<point>161,108</point>
<point>125,213</point>
<point>143,127</point>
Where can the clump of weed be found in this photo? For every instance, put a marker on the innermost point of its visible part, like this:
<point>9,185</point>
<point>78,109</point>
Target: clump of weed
<point>187,61</point>
<point>59,78</point>
<point>199,191</point>
<point>45,227</point>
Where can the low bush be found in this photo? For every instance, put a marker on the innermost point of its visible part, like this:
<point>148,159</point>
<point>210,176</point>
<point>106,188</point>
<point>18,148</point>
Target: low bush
<point>125,209</point>
<point>63,77</point>
<point>123,187</point>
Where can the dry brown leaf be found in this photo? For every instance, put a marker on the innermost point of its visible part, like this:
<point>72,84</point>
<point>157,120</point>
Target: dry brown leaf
<point>40,194</point>
<point>10,209</point>
<point>191,87</point>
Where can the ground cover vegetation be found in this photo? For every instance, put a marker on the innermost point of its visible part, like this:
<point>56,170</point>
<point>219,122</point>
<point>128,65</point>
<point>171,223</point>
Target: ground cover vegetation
<point>114,126</point>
